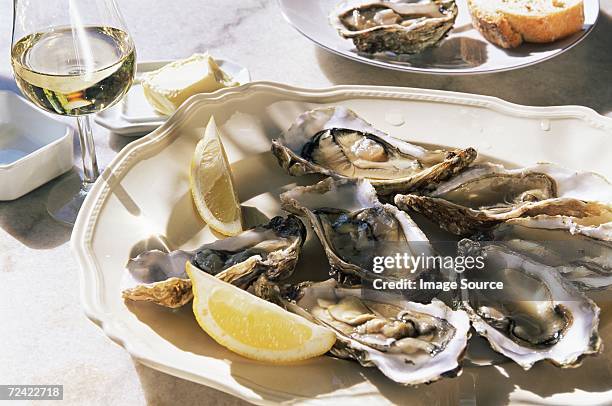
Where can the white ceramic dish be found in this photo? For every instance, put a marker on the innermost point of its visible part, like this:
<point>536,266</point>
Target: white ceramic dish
<point>464,51</point>
<point>133,115</point>
<point>34,147</point>
<point>143,196</point>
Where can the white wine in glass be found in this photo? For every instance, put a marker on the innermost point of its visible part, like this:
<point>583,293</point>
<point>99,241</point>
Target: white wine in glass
<point>73,58</point>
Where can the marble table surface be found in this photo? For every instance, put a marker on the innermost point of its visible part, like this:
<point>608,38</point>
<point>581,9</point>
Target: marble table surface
<point>44,335</point>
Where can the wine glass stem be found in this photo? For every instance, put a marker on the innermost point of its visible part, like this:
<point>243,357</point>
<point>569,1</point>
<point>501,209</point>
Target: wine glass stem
<point>88,150</point>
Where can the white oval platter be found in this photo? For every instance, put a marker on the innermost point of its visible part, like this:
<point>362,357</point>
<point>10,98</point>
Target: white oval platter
<point>143,197</point>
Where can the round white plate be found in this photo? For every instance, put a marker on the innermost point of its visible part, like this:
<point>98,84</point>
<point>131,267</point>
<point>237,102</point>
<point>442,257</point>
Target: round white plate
<point>143,195</point>
<point>133,115</point>
<point>464,51</point>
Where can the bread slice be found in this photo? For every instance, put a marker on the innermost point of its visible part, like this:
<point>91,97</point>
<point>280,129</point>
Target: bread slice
<point>509,23</point>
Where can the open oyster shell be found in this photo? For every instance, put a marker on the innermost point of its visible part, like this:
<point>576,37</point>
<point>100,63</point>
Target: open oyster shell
<point>411,343</point>
<point>354,228</point>
<point>488,194</point>
<point>271,249</point>
<point>580,251</point>
<point>335,142</point>
<point>402,27</point>
<point>536,316</point>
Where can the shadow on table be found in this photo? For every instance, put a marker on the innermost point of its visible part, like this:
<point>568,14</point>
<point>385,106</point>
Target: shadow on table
<point>580,76</point>
<point>8,83</point>
<point>27,220</point>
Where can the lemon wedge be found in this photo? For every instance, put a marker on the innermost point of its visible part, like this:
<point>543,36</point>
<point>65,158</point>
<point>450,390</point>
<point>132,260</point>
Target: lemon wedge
<point>212,186</point>
<point>251,326</point>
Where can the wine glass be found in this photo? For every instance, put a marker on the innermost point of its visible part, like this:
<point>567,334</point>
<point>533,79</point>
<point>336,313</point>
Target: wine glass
<point>73,58</point>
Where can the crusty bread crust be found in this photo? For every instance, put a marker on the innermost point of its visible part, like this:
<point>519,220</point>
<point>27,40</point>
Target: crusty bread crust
<point>509,30</point>
<point>495,28</point>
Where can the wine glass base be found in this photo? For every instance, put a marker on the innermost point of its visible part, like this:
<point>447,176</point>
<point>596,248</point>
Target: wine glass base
<point>66,198</point>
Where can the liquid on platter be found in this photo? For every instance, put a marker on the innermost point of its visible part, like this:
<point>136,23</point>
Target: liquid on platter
<point>74,71</point>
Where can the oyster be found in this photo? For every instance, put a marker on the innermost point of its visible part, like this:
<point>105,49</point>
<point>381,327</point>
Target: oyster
<point>411,343</point>
<point>580,251</point>
<point>402,27</point>
<point>536,316</point>
<point>355,228</point>
<point>272,249</point>
<point>488,194</point>
<point>335,142</point>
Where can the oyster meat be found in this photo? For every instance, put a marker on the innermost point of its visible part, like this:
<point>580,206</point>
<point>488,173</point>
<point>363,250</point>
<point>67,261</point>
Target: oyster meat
<point>335,142</point>
<point>411,343</point>
<point>271,249</point>
<point>579,250</point>
<point>536,316</point>
<point>488,194</point>
<point>354,228</point>
<point>401,27</point>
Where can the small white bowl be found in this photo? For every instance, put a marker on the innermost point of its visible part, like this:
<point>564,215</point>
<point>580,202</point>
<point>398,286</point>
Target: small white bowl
<point>34,147</point>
